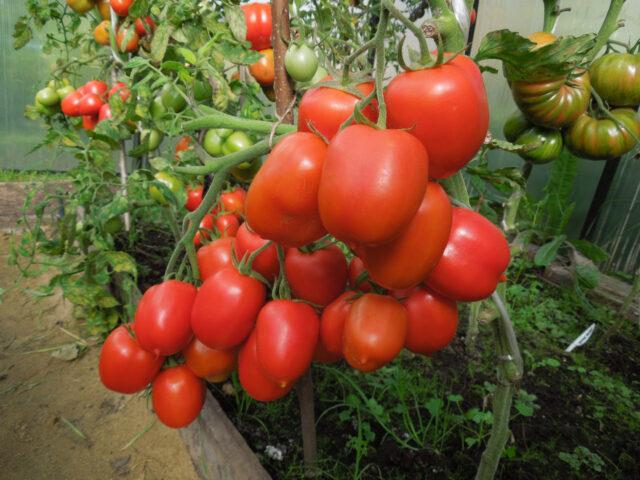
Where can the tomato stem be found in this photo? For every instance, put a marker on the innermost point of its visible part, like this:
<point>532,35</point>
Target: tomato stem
<point>380,68</point>
<point>425,56</point>
<point>603,108</point>
<point>224,120</point>
<point>609,25</point>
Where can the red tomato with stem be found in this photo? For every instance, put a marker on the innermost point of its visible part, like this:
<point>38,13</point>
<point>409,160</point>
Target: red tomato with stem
<point>318,277</point>
<point>257,385</point>
<point>282,201</point>
<point>356,273</point>
<point>258,19</point>
<point>127,39</point>
<point>215,256</point>
<point>233,201</point>
<point>121,89</point>
<point>266,262</point>
<point>286,339</point>
<point>209,363</point>
<point>226,308</point>
<point>124,366</point>
<point>446,108</point>
<point>194,198</point>
<point>410,257</point>
<point>326,109</point>
<point>144,26</point>
<point>163,318</point>
<point>228,225</point>
<point>177,396</point>
<point>372,184</point>
<point>204,229</point>
<point>432,321</point>
<point>374,332</point>
<point>332,323</point>
<point>121,7</point>
<point>474,260</point>
<point>95,87</point>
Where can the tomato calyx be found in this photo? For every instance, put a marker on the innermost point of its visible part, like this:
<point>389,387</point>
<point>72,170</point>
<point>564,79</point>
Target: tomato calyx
<point>244,265</point>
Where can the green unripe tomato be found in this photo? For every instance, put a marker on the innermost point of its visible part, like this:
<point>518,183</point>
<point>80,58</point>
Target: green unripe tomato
<point>236,142</point>
<point>514,126</point>
<point>151,137</point>
<point>172,183</point>
<point>301,62</point>
<point>212,143</point>
<point>202,90</point>
<point>320,74</point>
<point>157,109</point>
<point>44,110</point>
<point>64,91</point>
<point>247,170</point>
<point>172,99</point>
<point>550,144</point>
<point>224,132</point>
<point>113,225</point>
<point>48,97</point>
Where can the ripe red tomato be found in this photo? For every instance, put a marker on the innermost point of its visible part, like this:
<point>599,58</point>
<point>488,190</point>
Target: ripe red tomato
<point>233,201</point>
<point>433,320</point>
<point>410,257</point>
<point>446,108</point>
<point>332,323</point>
<point>356,268</point>
<point>372,184</point>
<point>318,277</point>
<point>89,122</point>
<point>286,338</point>
<point>124,366</point>
<point>374,331</point>
<point>127,39</point>
<point>321,355</point>
<point>121,89</point>
<point>70,105</point>
<point>474,260</point>
<point>205,362</point>
<point>226,308</point>
<point>257,385</point>
<point>258,19</point>
<point>264,69</point>
<point>101,32</point>
<point>105,113</point>
<point>178,396</point>
<point>328,108</point>
<point>163,318</point>
<point>90,104</point>
<point>144,26</point>
<point>204,229</point>
<point>194,198</point>
<point>121,7</point>
<point>266,262</point>
<point>215,256</point>
<point>95,87</point>
<point>282,202</point>
<point>228,225</point>
<point>183,144</point>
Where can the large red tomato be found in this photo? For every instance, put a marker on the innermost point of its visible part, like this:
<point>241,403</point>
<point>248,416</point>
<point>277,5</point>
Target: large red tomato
<point>194,198</point>
<point>372,184</point>
<point>205,362</point>
<point>121,7</point>
<point>282,202</point>
<point>257,385</point>
<point>124,366</point>
<point>233,200</point>
<point>226,308</point>
<point>374,331</point>
<point>162,322</point>
<point>318,277</point>
<point>433,320</point>
<point>215,256</point>
<point>227,225</point>
<point>286,338</point>
<point>446,108</point>
<point>325,109</point>
<point>332,323</point>
<point>258,19</point>
<point>266,262</point>
<point>356,272</point>
<point>409,258</point>
<point>178,396</point>
<point>474,260</point>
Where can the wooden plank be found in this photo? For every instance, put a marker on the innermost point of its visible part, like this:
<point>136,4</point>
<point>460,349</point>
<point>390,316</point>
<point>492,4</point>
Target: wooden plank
<point>217,449</point>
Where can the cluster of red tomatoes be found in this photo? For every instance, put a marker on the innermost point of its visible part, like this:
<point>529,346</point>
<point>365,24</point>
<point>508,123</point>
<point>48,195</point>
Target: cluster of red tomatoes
<point>91,102</point>
<point>556,111</point>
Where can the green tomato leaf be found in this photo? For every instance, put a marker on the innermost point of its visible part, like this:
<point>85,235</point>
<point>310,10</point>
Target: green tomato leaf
<point>237,54</point>
<point>549,251</point>
<point>188,55</point>
<point>139,8</point>
<point>588,275</point>
<point>523,61</point>
<point>160,41</point>
<point>160,163</point>
<point>237,24</point>
<point>590,250</point>
<point>121,262</point>
<point>22,33</point>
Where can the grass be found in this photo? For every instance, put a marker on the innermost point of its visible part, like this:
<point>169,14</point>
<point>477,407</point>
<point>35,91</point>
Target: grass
<point>31,176</point>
